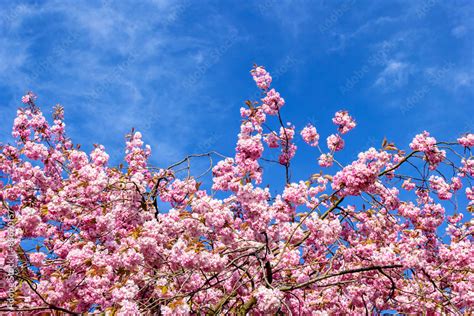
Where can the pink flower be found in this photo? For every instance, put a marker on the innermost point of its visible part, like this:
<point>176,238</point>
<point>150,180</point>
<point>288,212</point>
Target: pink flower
<point>261,77</point>
<point>249,149</point>
<point>272,102</point>
<point>467,140</point>
<point>362,174</point>
<point>467,167</point>
<point>344,121</point>
<point>335,142</point>
<point>296,193</point>
<point>470,193</point>
<point>441,187</point>
<point>99,156</point>
<point>287,147</point>
<point>272,140</point>
<point>324,230</point>
<point>268,300</point>
<point>37,258</point>
<point>427,144</point>
<point>310,135</point>
<point>455,218</point>
<point>456,183</point>
<point>423,142</point>
<point>29,97</point>
<point>326,160</point>
<point>408,185</point>
<point>25,99</point>
<point>136,156</point>
<point>225,175</point>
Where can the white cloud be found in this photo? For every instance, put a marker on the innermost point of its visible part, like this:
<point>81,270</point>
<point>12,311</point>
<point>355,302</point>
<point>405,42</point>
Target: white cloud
<point>395,74</point>
<point>145,93</point>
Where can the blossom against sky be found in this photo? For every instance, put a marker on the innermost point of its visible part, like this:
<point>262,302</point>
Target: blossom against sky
<point>176,70</point>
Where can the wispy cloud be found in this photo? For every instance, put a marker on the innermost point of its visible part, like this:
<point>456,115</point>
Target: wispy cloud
<point>115,65</point>
<point>176,69</point>
<point>394,75</point>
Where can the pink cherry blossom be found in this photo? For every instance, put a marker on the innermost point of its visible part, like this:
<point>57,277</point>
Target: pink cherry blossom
<point>408,185</point>
<point>272,102</point>
<point>467,140</point>
<point>268,300</point>
<point>344,121</point>
<point>326,160</point>
<point>25,99</point>
<point>387,230</point>
<point>262,77</point>
<point>28,98</point>
<point>288,148</point>
<point>441,187</point>
<point>310,135</point>
<point>335,142</point>
<point>272,140</point>
<point>427,144</point>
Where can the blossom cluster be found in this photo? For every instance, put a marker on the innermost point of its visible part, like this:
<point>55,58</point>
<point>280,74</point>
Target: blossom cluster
<point>262,77</point>
<point>310,135</point>
<point>344,121</point>
<point>391,230</point>
<point>427,144</point>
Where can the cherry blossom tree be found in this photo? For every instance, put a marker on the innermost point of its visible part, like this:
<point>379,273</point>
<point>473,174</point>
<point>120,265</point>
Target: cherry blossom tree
<point>392,230</point>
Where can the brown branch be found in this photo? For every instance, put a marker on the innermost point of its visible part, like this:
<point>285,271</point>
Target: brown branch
<point>398,164</point>
<point>302,285</point>
<point>245,308</point>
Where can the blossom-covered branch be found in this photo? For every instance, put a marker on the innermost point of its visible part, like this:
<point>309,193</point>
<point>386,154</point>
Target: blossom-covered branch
<point>392,230</point>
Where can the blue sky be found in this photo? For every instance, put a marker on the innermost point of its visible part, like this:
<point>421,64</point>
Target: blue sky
<point>178,71</point>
